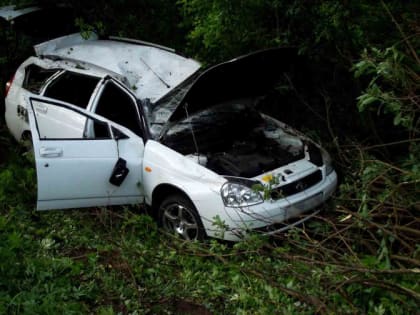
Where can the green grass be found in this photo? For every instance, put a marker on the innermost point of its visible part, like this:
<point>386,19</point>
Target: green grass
<point>116,261</point>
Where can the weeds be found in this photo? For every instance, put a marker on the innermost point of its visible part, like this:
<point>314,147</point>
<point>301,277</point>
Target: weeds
<point>360,256</point>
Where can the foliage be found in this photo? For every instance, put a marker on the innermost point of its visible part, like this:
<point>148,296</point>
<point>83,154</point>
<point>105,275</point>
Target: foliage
<point>222,29</point>
<point>351,259</point>
<point>394,87</point>
<point>323,29</point>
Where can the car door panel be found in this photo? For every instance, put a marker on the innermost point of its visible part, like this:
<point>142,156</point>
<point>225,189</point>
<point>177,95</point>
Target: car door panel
<point>73,169</point>
<point>58,122</point>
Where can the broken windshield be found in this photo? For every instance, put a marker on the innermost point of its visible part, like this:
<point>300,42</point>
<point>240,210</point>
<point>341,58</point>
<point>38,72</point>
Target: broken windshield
<point>159,113</point>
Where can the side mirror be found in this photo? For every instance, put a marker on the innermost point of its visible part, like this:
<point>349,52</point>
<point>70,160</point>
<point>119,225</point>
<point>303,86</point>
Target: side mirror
<point>119,173</point>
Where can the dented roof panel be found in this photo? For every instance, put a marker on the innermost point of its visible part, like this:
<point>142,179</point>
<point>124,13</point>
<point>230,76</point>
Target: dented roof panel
<point>50,47</point>
<point>151,72</point>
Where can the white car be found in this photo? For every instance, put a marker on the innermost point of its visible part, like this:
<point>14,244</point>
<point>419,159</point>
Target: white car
<point>119,121</point>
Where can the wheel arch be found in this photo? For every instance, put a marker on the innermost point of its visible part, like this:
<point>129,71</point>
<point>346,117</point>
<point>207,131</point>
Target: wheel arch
<point>172,193</point>
<point>26,135</point>
<point>162,190</point>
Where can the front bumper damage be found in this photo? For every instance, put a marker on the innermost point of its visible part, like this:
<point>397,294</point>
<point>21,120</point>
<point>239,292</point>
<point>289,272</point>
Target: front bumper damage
<point>276,216</point>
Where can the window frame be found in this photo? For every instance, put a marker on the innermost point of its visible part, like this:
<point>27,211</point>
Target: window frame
<point>59,76</point>
<point>80,112</point>
<point>46,82</point>
<point>140,119</point>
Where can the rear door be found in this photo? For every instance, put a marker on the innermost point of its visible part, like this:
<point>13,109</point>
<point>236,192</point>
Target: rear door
<point>82,159</point>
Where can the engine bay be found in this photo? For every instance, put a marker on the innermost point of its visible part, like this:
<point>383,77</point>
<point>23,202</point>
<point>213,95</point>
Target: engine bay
<point>233,139</point>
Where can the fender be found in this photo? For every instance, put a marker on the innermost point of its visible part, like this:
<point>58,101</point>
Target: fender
<point>162,165</point>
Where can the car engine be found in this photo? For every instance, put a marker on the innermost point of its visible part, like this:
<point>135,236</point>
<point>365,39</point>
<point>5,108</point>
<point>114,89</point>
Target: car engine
<point>234,140</point>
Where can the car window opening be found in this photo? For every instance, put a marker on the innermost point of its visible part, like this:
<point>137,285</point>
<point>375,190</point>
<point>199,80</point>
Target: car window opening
<point>100,129</point>
<point>73,88</point>
<point>117,106</point>
<point>35,78</point>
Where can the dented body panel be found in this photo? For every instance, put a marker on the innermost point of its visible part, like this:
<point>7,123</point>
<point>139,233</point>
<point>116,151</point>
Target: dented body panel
<point>151,72</point>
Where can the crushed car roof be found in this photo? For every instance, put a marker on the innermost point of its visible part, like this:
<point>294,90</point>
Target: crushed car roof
<point>12,12</point>
<point>151,71</point>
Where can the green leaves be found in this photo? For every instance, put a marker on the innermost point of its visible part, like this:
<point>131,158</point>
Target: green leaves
<point>219,30</point>
<point>392,86</point>
<point>108,261</point>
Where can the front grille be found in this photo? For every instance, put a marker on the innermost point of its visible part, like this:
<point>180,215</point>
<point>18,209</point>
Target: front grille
<point>296,186</point>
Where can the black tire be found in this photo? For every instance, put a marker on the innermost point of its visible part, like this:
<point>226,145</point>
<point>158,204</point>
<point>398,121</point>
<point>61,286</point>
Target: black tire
<point>177,215</point>
<point>27,142</point>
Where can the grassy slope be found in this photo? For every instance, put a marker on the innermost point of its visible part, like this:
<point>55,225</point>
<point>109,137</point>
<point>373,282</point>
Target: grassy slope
<point>110,261</point>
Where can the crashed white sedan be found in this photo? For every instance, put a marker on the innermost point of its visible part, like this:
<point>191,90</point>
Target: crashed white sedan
<point>120,121</point>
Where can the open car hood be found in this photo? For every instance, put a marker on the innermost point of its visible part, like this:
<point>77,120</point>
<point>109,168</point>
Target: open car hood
<point>243,77</point>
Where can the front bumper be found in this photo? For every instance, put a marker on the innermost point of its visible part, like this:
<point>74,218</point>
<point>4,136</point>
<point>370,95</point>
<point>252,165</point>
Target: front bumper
<point>268,216</point>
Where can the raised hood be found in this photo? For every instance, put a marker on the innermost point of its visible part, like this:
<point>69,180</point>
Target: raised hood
<point>243,77</point>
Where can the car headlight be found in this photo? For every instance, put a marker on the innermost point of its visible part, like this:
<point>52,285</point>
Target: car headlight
<point>238,195</point>
<point>327,161</point>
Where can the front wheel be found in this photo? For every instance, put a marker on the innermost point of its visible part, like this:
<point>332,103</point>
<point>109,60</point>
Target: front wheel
<point>178,216</point>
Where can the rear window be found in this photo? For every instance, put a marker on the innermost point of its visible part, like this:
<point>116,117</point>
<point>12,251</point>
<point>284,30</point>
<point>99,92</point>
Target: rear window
<point>73,88</point>
<point>35,78</point>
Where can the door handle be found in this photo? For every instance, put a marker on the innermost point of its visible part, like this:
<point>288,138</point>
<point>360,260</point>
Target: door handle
<point>50,152</point>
